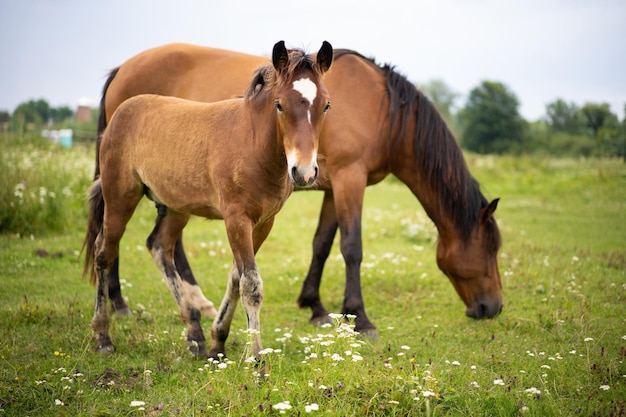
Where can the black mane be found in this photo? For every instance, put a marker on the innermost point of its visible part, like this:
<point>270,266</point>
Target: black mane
<point>438,156</point>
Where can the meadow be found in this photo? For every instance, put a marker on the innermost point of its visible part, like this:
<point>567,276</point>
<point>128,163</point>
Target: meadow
<point>557,349</point>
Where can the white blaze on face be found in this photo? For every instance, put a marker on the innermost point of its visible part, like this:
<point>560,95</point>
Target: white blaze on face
<point>308,89</point>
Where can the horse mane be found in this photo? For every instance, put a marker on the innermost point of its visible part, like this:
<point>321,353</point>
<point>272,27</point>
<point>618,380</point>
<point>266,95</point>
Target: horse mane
<point>438,157</point>
<point>266,78</point>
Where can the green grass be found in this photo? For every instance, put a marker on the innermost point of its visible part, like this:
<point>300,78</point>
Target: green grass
<point>558,348</point>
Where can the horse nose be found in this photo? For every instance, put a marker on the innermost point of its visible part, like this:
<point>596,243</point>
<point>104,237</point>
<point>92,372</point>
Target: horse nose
<point>485,309</point>
<point>304,177</point>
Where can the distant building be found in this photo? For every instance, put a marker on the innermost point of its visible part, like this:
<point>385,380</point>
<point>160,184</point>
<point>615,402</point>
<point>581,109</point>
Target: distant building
<point>83,113</point>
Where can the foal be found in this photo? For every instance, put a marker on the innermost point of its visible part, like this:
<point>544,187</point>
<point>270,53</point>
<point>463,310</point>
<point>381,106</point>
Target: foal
<point>236,160</point>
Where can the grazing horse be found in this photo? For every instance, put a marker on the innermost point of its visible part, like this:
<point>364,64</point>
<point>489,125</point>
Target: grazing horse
<point>236,160</point>
<point>381,124</point>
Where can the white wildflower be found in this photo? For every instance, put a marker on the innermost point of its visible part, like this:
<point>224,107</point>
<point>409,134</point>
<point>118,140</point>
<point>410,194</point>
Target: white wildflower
<point>282,407</point>
<point>311,407</point>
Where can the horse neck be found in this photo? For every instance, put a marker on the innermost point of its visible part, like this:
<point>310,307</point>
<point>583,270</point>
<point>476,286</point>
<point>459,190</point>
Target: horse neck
<point>429,161</point>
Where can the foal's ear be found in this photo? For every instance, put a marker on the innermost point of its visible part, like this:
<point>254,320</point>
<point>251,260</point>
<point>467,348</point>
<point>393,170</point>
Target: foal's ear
<point>280,57</point>
<point>489,210</point>
<point>325,56</point>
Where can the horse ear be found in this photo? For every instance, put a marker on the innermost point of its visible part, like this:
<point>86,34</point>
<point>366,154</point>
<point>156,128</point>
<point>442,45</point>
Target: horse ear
<point>489,210</point>
<point>325,56</point>
<point>280,57</point>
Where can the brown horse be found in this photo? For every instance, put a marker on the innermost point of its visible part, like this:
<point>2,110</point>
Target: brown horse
<point>236,160</point>
<point>381,124</point>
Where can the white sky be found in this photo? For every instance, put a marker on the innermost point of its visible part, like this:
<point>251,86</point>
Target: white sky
<point>542,50</point>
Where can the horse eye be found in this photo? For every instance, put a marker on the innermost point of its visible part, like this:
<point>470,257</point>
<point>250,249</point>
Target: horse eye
<point>278,106</point>
<point>327,107</point>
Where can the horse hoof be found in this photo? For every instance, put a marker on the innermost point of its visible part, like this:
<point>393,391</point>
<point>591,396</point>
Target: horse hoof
<point>198,349</point>
<point>369,334</point>
<point>123,312</point>
<point>105,350</point>
<point>215,355</point>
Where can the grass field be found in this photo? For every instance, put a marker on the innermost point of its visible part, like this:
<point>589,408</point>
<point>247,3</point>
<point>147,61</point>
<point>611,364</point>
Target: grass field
<point>558,348</point>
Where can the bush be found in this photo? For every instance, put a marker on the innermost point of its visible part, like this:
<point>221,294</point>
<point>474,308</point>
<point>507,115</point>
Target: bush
<point>44,185</point>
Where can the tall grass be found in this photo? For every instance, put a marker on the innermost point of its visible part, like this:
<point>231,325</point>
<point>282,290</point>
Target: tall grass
<point>557,349</point>
<point>43,185</point>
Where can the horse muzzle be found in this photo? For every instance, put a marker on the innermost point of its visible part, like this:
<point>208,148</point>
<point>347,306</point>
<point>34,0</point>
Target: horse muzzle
<point>304,177</point>
<point>484,309</point>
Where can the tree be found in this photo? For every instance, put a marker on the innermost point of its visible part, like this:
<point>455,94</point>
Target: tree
<point>5,117</point>
<point>565,118</point>
<point>33,112</point>
<point>597,116</point>
<point>60,114</point>
<point>442,97</point>
<point>605,128</point>
<point>491,121</point>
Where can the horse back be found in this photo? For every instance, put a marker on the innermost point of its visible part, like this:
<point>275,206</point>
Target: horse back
<point>183,70</point>
<point>192,156</point>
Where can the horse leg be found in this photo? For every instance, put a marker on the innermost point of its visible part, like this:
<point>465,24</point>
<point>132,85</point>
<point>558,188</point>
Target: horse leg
<point>244,282</point>
<point>100,320</point>
<point>322,244</point>
<point>196,297</point>
<point>105,254</point>
<point>221,325</point>
<point>115,291</point>
<point>348,197</point>
<point>161,245</point>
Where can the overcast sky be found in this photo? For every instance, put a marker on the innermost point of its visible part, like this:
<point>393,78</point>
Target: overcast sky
<point>542,50</point>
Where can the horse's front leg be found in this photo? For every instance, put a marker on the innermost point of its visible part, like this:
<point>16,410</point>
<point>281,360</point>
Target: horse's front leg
<point>245,282</point>
<point>349,189</point>
<point>322,244</point>
<point>221,324</point>
<point>161,246</point>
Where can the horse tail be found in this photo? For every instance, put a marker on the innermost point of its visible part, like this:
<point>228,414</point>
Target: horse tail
<point>102,119</point>
<point>94,226</point>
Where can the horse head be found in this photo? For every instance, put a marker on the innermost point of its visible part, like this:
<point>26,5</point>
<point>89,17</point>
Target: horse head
<point>301,101</point>
<point>472,266</point>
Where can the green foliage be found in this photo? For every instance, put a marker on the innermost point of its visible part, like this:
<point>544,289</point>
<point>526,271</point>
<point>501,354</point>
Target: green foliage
<point>556,349</point>
<point>565,118</point>
<point>41,183</point>
<point>32,115</point>
<point>443,98</point>
<point>60,114</point>
<point>588,131</point>
<point>490,120</point>
<point>598,116</point>
<point>5,116</point>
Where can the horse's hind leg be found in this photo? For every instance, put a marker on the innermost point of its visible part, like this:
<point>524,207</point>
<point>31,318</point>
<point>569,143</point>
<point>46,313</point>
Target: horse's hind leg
<point>115,291</point>
<point>100,320</point>
<point>196,297</point>
<point>161,245</point>
<point>106,250</point>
